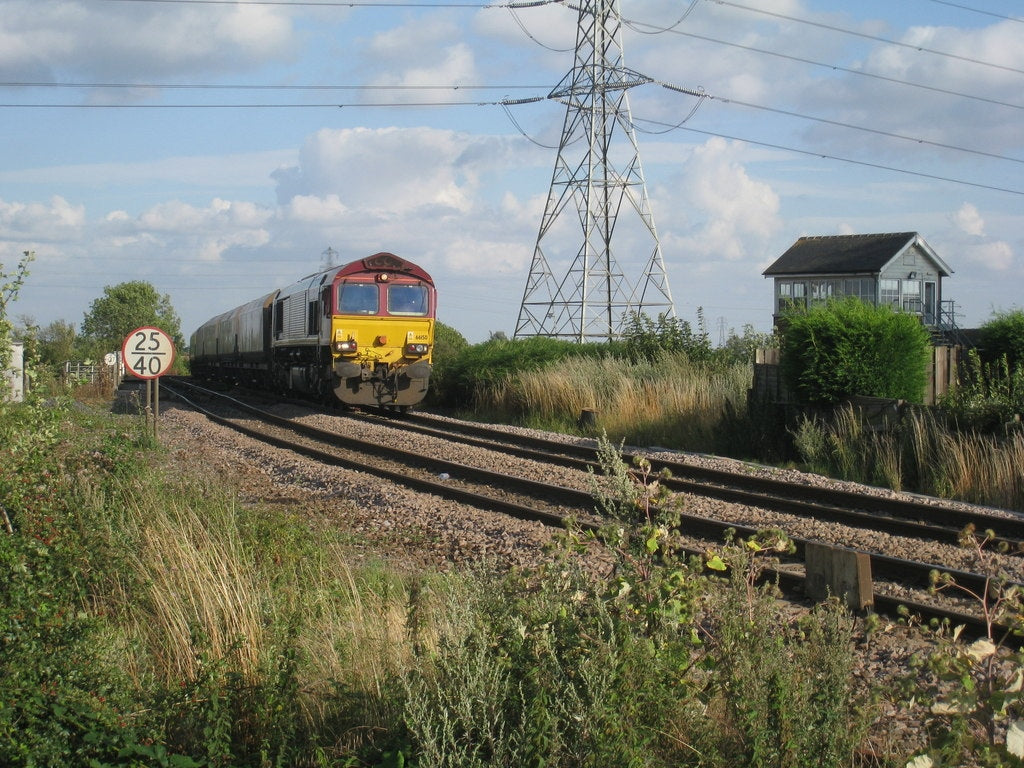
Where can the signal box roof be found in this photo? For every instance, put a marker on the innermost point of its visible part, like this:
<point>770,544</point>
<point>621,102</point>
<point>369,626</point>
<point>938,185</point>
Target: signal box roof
<point>850,254</point>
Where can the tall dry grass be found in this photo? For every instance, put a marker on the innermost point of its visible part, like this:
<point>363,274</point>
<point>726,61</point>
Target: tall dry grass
<point>919,454</point>
<point>202,583</point>
<point>974,467</point>
<point>202,592</point>
<point>671,401</point>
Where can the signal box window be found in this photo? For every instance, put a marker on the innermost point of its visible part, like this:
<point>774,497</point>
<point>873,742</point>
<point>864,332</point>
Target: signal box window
<point>792,296</point>
<point>890,292</point>
<point>407,300</point>
<point>357,299</point>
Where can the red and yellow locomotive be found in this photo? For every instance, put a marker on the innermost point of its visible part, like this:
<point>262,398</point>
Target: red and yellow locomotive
<point>362,333</point>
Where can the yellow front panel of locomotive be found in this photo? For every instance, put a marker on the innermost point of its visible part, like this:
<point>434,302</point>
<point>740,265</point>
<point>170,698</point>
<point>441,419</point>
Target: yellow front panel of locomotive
<point>383,339</point>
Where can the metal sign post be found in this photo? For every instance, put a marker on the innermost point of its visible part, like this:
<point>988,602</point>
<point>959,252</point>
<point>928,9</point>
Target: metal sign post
<point>148,353</point>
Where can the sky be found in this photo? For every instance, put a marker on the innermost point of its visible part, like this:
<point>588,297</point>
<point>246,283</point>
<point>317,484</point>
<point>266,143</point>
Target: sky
<point>219,149</point>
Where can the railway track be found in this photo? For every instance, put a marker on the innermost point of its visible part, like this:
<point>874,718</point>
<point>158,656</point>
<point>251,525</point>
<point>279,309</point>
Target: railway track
<point>551,504</point>
<point>900,517</point>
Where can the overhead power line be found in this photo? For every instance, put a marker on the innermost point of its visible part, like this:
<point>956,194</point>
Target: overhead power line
<point>834,67</point>
<point>504,103</point>
<point>866,36</point>
<point>842,124</point>
<point>339,3</point>
<point>827,156</point>
<point>979,10</point>
<point>264,105</point>
<point>264,87</point>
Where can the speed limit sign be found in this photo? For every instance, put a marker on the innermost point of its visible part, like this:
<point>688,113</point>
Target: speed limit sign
<point>148,352</point>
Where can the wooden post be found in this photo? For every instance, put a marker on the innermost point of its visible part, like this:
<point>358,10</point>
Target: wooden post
<point>588,419</point>
<point>837,571</point>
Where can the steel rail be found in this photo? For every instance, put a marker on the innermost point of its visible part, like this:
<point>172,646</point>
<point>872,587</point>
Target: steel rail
<point>893,516</point>
<point>906,572</point>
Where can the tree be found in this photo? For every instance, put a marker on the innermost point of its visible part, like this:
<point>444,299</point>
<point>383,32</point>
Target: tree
<point>10,284</point>
<point>57,342</point>
<point>125,307</point>
<point>851,347</point>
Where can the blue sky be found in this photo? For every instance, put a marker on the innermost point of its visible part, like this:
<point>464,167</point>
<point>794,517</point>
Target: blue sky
<point>218,149</point>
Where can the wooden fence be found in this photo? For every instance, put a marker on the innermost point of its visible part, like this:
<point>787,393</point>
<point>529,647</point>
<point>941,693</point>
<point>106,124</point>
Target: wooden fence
<point>769,387</point>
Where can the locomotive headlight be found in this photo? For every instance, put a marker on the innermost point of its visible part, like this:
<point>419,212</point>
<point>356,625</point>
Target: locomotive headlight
<point>416,349</point>
<point>341,347</point>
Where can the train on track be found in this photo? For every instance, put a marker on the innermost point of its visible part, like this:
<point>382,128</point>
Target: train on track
<point>362,333</point>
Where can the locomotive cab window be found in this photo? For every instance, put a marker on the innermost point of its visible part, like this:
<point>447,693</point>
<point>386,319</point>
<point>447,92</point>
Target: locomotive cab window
<point>407,300</point>
<point>357,299</point>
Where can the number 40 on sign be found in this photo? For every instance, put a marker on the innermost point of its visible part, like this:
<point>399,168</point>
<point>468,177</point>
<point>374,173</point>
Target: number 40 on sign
<point>148,352</point>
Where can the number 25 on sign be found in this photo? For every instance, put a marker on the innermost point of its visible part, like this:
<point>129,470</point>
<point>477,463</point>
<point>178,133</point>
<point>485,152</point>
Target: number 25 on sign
<point>148,352</point>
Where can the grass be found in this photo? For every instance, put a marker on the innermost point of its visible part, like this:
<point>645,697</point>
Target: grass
<point>671,401</point>
<point>702,406</point>
<point>171,625</point>
<point>922,453</point>
<point>152,619</point>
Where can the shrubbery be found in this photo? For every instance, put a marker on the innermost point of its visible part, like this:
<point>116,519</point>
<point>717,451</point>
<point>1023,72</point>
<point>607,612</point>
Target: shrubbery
<point>467,375</point>
<point>1002,337</point>
<point>645,340</point>
<point>482,366</point>
<point>847,348</point>
<point>151,620</point>
<point>989,393</point>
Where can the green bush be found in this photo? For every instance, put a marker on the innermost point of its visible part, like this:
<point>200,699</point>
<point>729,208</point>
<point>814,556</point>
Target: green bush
<point>989,391</point>
<point>645,340</point>
<point>847,348</point>
<point>1003,337</point>
<point>482,366</point>
<point>448,345</point>
<point>556,677</point>
<point>782,694</point>
<point>987,395</point>
<point>62,701</point>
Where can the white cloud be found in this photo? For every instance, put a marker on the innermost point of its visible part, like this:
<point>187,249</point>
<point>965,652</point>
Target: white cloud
<point>189,231</point>
<point>997,256</point>
<point>251,169</point>
<point>47,37</point>
<point>473,256</point>
<point>40,221</point>
<point>968,220</point>
<point>731,214</point>
<point>398,57</point>
<point>316,210</point>
<point>388,170</point>
<point>910,93</point>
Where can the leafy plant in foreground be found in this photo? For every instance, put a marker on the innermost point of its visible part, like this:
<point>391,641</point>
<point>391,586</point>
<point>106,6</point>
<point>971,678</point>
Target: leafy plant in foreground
<point>650,581</point>
<point>779,692</point>
<point>977,693</point>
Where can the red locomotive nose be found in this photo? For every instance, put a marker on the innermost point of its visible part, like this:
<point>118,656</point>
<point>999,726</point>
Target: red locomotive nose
<point>382,341</point>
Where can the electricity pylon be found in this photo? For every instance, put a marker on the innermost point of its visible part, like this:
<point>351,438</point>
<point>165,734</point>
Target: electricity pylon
<point>595,297</point>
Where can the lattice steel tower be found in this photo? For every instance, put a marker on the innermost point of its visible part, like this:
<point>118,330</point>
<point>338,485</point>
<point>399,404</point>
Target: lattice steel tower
<point>595,296</point>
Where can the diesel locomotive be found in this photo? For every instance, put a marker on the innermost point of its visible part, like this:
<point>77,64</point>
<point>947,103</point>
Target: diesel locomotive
<point>362,333</point>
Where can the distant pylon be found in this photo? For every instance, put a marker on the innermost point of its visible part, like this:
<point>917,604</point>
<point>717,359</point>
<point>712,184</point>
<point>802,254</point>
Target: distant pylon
<point>595,297</point>
<point>328,258</point>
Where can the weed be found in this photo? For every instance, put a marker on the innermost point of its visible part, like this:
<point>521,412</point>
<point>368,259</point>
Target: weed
<point>777,692</point>
<point>977,691</point>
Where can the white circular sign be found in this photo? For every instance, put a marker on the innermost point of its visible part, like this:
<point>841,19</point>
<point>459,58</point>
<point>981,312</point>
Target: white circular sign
<point>147,352</point>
